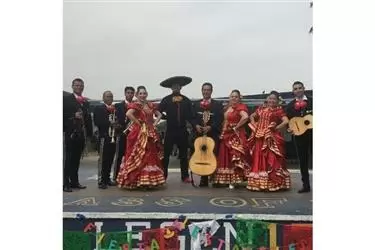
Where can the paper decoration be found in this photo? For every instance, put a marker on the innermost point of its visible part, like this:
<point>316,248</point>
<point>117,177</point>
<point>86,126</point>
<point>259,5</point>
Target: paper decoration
<point>299,235</point>
<point>76,241</point>
<point>113,245</point>
<point>252,234</point>
<point>89,227</point>
<point>221,244</point>
<point>152,236</point>
<point>140,245</point>
<point>199,230</point>
<point>80,217</point>
<point>171,238</point>
<point>121,239</point>
<point>235,247</point>
<point>101,238</point>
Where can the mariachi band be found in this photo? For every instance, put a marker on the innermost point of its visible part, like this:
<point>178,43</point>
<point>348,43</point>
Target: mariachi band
<point>222,154</point>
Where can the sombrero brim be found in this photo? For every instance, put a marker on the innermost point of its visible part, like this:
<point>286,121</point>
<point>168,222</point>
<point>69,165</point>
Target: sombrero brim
<point>181,80</point>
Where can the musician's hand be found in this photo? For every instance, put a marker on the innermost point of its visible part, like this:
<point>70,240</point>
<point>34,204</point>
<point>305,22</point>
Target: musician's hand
<point>252,120</point>
<point>78,115</point>
<point>272,126</point>
<point>290,131</point>
<point>199,129</point>
<point>206,129</point>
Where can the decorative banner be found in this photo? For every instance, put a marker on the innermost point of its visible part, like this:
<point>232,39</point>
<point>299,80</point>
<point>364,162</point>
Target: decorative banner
<point>115,240</point>
<point>249,234</point>
<point>76,241</point>
<point>171,238</point>
<point>202,232</point>
<point>252,234</point>
<point>299,237</point>
<point>153,239</point>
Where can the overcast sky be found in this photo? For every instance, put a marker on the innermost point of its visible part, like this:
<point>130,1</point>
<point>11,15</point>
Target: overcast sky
<point>249,46</point>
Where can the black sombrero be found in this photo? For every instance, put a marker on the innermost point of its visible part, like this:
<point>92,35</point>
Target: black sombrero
<point>181,80</point>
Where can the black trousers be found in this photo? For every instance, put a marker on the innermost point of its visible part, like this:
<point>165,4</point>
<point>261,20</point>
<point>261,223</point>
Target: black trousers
<point>120,152</point>
<point>304,150</point>
<point>180,138</point>
<point>204,179</point>
<point>107,152</point>
<point>73,151</point>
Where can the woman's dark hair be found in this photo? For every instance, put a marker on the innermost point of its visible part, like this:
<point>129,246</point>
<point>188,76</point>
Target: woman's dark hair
<point>139,88</point>
<point>233,91</point>
<point>273,92</point>
<point>236,91</point>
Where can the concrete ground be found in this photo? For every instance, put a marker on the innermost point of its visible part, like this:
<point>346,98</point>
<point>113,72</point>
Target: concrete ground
<point>177,197</point>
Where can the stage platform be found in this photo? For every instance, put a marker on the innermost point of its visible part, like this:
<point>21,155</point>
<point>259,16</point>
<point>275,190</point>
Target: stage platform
<point>180,198</point>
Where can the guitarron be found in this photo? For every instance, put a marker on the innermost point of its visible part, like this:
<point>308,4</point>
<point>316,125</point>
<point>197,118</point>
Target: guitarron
<point>203,161</point>
<point>299,125</point>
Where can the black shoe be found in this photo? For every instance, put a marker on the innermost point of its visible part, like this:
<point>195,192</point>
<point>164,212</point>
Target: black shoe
<point>103,186</point>
<point>304,190</point>
<point>203,184</point>
<point>78,186</point>
<point>111,183</point>
<point>204,181</point>
<point>68,189</point>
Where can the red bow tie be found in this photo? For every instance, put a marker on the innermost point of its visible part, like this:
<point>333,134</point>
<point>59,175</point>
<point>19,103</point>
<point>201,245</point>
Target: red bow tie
<point>205,105</point>
<point>300,104</point>
<point>80,99</point>
<point>111,108</point>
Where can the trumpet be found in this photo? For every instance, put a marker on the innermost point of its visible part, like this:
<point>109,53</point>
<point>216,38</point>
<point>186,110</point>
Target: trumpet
<point>128,127</point>
<point>111,129</point>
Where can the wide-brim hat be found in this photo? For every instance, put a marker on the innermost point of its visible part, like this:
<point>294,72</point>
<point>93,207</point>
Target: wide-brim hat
<point>181,80</point>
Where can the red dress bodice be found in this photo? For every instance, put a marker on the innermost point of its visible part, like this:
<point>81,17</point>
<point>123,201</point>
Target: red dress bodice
<point>144,114</point>
<point>232,116</point>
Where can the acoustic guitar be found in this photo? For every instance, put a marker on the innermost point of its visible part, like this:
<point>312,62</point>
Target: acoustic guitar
<point>299,125</point>
<point>203,161</point>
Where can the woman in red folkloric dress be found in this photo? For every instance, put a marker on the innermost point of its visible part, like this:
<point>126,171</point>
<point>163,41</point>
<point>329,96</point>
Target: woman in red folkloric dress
<point>267,149</point>
<point>232,161</point>
<point>142,166</point>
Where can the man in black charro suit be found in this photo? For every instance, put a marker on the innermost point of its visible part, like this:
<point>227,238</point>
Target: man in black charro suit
<point>77,127</point>
<point>214,125</point>
<point>299,107</point>
<point>179,111</point>
<point>121,109</point>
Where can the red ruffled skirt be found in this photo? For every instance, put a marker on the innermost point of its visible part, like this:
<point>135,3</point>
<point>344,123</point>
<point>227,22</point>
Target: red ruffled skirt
<point>268,167</point>
<point>232,163</point>
<point>142,165</point>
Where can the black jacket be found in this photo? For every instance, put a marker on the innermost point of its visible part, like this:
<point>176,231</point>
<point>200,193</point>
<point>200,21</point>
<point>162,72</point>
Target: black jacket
<point>292,112</point>
<point>121,109</point>
<point>101,120</point>
<point>170,108</point>
<point>216,119</point>
<point>70,107</point>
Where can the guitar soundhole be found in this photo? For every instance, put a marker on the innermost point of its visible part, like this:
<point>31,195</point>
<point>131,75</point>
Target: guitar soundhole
<point>204,148</point>
<point>307,123</point>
